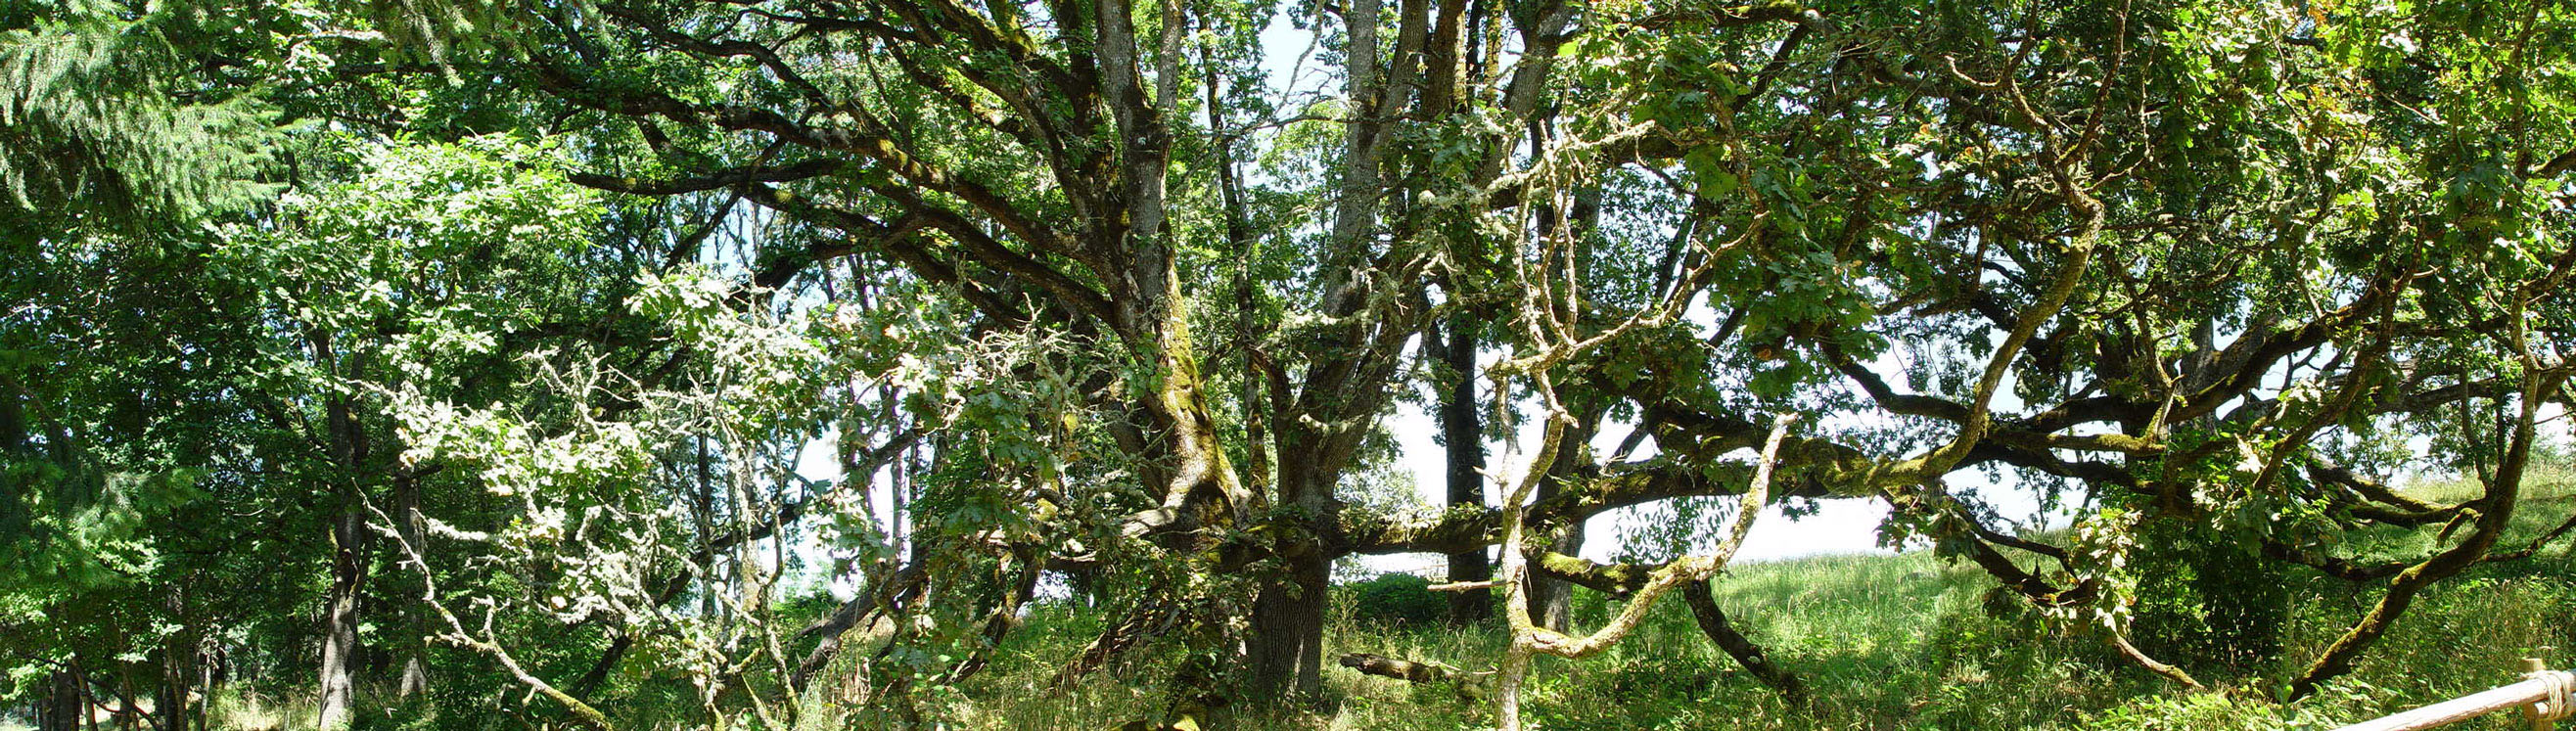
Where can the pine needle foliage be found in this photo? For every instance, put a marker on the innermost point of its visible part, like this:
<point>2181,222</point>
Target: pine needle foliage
<point>102,125</point>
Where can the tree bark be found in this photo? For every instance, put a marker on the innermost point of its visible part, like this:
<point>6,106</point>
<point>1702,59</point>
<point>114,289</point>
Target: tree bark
<point>1287,642</point>
<point>1465,441</point>
<point>340,619</point>
<point>61,709</point>
<point>348,450</point>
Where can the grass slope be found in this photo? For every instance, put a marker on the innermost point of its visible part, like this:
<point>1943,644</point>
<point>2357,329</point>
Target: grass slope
<point>1887,642</point>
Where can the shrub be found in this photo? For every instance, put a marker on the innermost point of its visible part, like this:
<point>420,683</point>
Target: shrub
<point>1397,599</point>
<point>2206,603</point>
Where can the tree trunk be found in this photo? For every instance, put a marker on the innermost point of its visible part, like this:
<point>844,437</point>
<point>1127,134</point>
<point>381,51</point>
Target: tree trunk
<point>1287,642</point>
<point>61,708</point>
<point>127,714</point>
<point>214,672</point>
<point>348,572</point>
<point>1552,600</point>
<point>340,618</point>
<point>178,666</point>
<point>1465,440</point>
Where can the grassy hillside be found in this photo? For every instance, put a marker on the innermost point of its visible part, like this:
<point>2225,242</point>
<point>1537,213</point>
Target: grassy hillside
<point>1899,641</point>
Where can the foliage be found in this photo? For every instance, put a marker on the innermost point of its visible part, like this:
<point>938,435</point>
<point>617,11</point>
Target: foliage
<point>1396,599</point>
<point>2209,604</point>
<point>789,363</point>
<point>98,129</point>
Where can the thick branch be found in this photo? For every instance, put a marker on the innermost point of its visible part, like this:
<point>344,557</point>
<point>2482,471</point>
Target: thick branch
<point>1713,622</point>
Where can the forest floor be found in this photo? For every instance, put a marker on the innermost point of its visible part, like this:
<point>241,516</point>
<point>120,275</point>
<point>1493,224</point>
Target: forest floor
<point>1881,641</point>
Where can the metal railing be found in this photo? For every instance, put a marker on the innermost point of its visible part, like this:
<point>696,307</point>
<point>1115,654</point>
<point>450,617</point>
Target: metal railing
<point>2542,695</point>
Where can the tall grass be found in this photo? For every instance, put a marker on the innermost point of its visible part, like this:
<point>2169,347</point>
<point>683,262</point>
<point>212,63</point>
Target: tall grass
<point>240,707</point>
